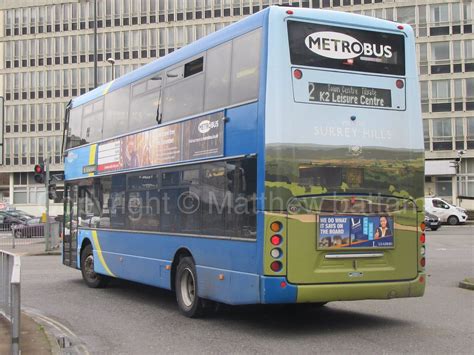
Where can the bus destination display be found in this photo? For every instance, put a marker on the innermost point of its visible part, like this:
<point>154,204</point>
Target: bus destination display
<point>349,95</point>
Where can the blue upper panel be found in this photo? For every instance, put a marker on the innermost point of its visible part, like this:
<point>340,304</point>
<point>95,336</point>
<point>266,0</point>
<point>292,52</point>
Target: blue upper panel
<point>212,40</point>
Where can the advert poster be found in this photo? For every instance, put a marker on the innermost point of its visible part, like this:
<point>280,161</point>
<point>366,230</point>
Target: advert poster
<point>355,232</point>
<point>199,138</point>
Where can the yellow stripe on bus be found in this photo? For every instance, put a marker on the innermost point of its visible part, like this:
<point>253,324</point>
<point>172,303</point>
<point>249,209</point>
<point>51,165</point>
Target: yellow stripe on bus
<point>92,152</point>
<point>99,253</point>
<point>107,88</point>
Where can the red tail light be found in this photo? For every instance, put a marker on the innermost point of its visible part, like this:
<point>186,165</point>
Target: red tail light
<point>298,74</point>
<point>400,84</point>
<point>276,266</point>
<point>276,239</point>
<point>422,238</point>
<point>423,226</point>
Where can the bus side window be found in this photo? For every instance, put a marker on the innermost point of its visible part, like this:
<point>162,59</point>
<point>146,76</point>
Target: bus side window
<point>92,117</point>
<point>245,67</point>
<point>183,97</point>
<point>242,189</point>
<point>116,112</point>
<point>74,128</point>
<point>214,206</point>
<point>217,91</point>
<point>145,102</point>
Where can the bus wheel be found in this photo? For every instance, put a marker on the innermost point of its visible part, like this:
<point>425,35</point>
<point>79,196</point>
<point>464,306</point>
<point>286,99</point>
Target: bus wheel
<point>453,220</point>
<point>91,278</point>
<point>189,303</point>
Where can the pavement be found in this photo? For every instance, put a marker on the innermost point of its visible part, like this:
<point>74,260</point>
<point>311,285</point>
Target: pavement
<point>33,338</point>
<point>27,246</point>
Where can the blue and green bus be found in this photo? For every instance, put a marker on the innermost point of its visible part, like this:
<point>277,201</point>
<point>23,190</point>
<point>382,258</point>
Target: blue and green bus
<point>278,160</point>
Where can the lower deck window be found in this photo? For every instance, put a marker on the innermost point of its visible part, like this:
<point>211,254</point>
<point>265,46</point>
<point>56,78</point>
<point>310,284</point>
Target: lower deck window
<point>211,199</point>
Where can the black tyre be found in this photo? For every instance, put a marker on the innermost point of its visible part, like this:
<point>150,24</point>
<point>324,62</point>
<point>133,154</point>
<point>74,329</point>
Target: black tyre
<point>91,278</point>
<point>434,228</point>
<point>189,303</point>
<point>453,220</point>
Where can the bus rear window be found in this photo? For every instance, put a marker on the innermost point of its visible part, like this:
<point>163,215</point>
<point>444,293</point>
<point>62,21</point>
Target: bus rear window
<point>318,45</point>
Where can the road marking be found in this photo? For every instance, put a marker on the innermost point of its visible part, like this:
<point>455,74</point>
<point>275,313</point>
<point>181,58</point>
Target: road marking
<point>61,329</point>
<point>442,249</point>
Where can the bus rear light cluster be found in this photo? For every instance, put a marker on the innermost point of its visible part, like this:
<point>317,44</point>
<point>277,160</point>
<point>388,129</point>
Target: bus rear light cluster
<point>422,248</point>
<point>276,240</point>
<point>276,266</point>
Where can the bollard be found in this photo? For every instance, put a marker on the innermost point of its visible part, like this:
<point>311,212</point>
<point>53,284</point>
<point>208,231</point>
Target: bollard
<point>16,318</point>
<point>10,301</point>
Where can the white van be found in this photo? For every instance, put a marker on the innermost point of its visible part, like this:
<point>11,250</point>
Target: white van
<point>446,212</point>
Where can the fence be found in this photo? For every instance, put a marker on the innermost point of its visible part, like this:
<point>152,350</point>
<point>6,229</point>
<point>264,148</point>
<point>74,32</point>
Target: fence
<point>27,234</point>
<point>10,295</point>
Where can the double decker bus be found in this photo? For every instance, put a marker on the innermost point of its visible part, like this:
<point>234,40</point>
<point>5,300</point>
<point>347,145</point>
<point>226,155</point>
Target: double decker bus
<point>278,160</point>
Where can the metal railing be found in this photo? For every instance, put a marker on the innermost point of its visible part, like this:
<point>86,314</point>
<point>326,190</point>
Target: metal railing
<point>24,235</point>
<point>10,295</point>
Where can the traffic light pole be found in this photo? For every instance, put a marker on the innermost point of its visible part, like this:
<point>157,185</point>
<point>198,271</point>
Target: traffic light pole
<point>47,230</point>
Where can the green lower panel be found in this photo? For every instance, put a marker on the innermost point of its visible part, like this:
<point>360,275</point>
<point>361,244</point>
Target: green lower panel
<point>361,291</point>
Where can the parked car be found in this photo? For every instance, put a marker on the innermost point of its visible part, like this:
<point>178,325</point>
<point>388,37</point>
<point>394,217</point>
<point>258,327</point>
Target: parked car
<point>431,221</point>
<point>7,221</point>
<point>446,212</point>
<point>28,229</point>
<point>22,214</point>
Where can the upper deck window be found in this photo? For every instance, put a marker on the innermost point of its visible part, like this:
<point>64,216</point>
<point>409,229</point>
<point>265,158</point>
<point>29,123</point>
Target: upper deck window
<point>332,47</point>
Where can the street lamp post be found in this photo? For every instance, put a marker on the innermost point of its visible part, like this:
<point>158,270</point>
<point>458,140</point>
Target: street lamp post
<point>111,61</point>
<point>95,43</point>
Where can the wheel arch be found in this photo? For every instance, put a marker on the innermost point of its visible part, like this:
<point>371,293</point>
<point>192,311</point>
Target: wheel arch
<point>85,242</point>
<point>180,253</point>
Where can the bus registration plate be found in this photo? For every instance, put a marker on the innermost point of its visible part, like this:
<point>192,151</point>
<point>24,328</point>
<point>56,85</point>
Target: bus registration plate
<point>349,95</point>
<point>345,231</point>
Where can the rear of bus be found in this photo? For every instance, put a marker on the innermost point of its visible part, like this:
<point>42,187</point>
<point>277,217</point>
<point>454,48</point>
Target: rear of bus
<point>343,159</point>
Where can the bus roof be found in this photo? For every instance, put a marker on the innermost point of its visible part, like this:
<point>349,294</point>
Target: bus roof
<point>236,29</point>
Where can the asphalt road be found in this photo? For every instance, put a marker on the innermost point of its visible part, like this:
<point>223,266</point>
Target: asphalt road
<point>131,318</point>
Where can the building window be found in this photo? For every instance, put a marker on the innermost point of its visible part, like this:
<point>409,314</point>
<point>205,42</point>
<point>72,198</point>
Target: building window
<point>442,134</point>
<point>459,133</point>
<point>439,20</point>
<point>441,95</point>
<point>440,58</point>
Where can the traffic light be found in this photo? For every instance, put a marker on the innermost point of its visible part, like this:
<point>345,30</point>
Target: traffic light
<point>40,173</point>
